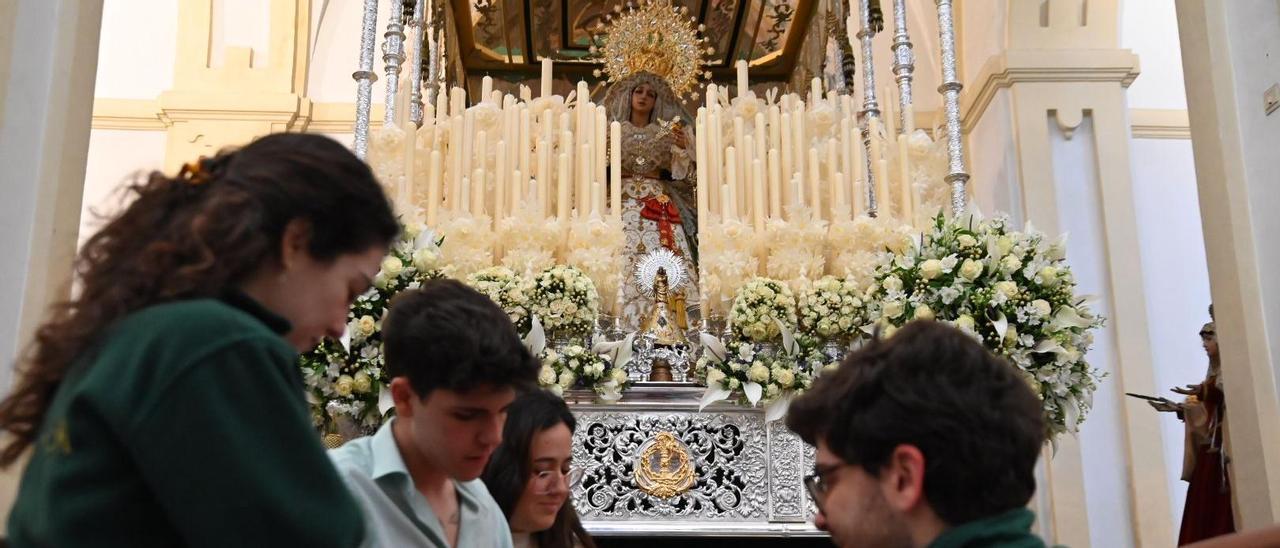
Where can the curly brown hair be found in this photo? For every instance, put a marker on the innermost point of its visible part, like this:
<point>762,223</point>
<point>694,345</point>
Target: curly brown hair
<point>199,234</point>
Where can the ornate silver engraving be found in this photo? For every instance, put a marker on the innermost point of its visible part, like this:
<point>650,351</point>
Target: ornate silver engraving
<point>365,77</point>
<point>787,466</point>
<point>729,450</point>
<point>950,90</point>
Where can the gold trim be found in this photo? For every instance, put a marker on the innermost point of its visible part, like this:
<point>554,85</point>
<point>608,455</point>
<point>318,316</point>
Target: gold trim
<point>663,478</point>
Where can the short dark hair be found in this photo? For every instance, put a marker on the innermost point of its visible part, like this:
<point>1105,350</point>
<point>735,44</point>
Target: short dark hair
<point>447,335</point>
<point>970,413</point>
<point>508,470</point>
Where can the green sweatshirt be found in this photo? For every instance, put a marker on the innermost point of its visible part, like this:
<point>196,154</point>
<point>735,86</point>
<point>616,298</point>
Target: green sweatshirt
<point>1011,529</point>
<point>186,425</point>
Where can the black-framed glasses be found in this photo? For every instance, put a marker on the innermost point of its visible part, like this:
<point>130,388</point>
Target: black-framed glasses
<point>817,485</point>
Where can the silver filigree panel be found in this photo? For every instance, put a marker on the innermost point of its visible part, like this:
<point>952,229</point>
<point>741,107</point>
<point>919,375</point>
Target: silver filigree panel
<point>728,449</point>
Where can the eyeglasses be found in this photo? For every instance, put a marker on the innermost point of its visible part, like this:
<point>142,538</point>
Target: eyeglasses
<point>547,480</point>
<point>817,486</point>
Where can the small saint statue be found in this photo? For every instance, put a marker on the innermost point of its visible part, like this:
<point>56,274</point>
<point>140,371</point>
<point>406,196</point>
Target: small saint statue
<point>661,325</point>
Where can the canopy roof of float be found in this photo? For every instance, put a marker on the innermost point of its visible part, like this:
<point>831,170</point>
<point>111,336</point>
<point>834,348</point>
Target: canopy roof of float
<point>497,36</point>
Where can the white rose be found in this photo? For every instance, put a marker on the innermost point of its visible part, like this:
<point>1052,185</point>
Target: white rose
<point>892,283</point>
<point>1004,244</point>
<point>1011,334</point>
<point>1010,263</point>
<point>425,259</point>
<point>557,390</point>
<point>392,266</point>
<point>344,385</point>
<point>1007,288</point>
<point>618,375</point>
<point>758,373</point>
<point>966,240</point>
<point>567,378</point>
<point>546,376</point>
<point>366,324</point>
<point>971,269</point>
<point>715,377</point>
<point>930,269</point>
<point>965,322</point>
<point>923,312</point>
<point>1042,307</point>
<point>1048,276</point>
<point>785,377</point>
<point>892,309</point>
<point>361,383</point>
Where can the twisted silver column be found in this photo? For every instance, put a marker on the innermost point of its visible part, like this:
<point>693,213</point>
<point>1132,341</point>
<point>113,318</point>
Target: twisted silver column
<point>415,63</point>
<point>950,90</point>
<point>365,77</point>
<point>393,56</point>
<point>903,61</point>
<point>870,108</point>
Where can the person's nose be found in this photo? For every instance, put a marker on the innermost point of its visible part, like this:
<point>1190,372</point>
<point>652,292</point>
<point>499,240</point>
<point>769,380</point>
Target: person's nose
<point>820,521</point>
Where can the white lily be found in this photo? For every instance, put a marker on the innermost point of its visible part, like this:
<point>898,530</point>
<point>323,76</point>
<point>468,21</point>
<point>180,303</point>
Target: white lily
<point>778,408</point>
<point>713,394</point>
<point>536,340</point>
<point>753,391</point>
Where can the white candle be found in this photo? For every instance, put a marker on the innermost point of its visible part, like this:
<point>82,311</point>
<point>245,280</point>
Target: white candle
<point>546,78</point>
<point>478,187</point>
<point>904,176</point>
<point>468,142</point>
<point>500,181</point>
<point>714,152</point>
<point>486,88</point>
<point>455,163</point>
<point>599,144</point>
<point>525,150</point>
<point>775,184</point>
<point>799,141</point>
<point>518,186</point>
<point>713,95</point>
<point>859,191</point>
<point>615,170</point>
<point>761,137</point>
<point>889,114</point>
<point>740,159</point>
<point>526,94</point>
<point>584,178</point>
<point>464,199</point>
<point>815,91</point>
<point>433,189</point>
<point>726,202</point>
<point>744,196</point>
<point>833,176</point>
<point>562,191</point>
<point>909,119</point>
<point>596,197</point>
<point>584,93</point>
<point>742,77</point>
<point>701,188</point>
<point>788,168</point>
<point>884,202</point>
<point>730,180</point>
<point>775,128</point>
<point>815,183</point>
<point>757,195</point>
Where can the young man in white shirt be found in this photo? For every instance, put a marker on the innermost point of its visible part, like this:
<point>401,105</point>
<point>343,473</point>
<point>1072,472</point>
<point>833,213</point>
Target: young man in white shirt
<point>455,363</point>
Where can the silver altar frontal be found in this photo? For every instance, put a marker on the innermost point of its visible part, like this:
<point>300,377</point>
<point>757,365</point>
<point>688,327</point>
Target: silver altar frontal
<point>653,464</point>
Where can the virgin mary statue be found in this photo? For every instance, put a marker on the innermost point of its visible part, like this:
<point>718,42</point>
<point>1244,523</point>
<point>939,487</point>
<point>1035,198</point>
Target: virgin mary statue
<point>658,185</point>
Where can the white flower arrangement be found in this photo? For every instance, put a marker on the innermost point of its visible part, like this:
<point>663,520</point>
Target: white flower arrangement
<point>512,292</point>
<point>577,367</point>
<point>831,308</point>
<point>348,379</point>
<point>566,301</point>
<point>759,373</point>
<point>762,310</point>
<point>1011,290</point>
<point>530,240</point>
<point>857,246</point>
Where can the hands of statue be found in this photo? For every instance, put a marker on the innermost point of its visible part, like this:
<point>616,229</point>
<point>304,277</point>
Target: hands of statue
<point>1190,390</point>
<point>679,139</point>
<point>1166,406</point>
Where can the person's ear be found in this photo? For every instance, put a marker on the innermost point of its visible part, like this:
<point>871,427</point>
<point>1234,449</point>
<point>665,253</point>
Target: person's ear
<point>902,478</point>
<point>402,396</point>
<point>295,243</point>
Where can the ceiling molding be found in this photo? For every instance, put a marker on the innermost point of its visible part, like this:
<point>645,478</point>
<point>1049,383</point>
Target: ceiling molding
<point>1152,123</point>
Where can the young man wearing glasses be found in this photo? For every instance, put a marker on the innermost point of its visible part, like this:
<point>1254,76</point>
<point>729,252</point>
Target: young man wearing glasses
<point>455,364</point>
<point>924,440</point>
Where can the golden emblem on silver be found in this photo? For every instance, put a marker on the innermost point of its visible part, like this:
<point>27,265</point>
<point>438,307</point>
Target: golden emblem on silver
<point>663,468</point>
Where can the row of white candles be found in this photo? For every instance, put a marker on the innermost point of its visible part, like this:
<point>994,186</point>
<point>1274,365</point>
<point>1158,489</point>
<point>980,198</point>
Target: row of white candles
<point>753,170</point>
<point>556,164</point>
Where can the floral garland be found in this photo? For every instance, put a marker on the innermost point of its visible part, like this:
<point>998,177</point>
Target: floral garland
<point>762,310</point>
<point>1011,290</point>
<point>576,366</point>
<point>566,302</point>
<point>349,381</point>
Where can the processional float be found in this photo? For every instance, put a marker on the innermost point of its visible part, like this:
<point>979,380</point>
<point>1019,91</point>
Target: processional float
<point>783,182</point>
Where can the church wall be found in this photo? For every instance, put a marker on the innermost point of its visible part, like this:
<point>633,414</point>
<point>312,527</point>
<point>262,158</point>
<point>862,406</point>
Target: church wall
<point>1177,279</point>
<point>1101,438</point>
<point>115,156</point>
<point>135,56</point>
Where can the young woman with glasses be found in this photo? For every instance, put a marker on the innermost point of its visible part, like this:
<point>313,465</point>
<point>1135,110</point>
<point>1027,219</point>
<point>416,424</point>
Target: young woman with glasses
<point>530,474</point>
